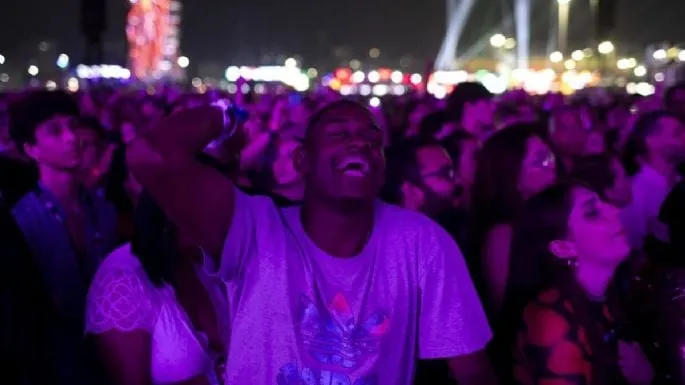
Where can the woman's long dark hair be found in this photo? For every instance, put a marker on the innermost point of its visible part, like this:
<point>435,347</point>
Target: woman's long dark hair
<point>533,269</point>
<point>496,197</point>
<point>154,241</point>
<point>155,237</point>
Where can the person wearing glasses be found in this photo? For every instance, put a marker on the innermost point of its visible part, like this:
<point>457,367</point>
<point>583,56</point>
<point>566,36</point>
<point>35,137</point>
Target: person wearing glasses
<point>421,177</point>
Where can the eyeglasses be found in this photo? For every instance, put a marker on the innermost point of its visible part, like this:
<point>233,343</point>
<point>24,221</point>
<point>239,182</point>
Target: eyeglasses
<point>545,161</point>
<point>445,173</point>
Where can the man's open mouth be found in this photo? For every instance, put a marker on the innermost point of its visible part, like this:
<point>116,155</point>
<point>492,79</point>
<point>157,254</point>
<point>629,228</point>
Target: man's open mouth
<point>355,165</point>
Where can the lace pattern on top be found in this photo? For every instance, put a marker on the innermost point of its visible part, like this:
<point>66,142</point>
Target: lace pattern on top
<point>118,300</point>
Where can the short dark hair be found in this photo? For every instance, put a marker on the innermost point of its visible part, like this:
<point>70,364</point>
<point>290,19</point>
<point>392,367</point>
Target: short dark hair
<point>403,166</point>
<point>636,144</point>
<point>467,92</point>
<point>31,110</point>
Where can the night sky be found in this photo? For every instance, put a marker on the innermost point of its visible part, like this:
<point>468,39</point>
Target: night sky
<point>240,32</point>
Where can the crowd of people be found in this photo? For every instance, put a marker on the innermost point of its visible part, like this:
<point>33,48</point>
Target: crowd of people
<point>168,237</point>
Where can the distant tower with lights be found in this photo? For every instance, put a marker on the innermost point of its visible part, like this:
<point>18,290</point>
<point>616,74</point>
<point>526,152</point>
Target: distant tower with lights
<point>152,29</point>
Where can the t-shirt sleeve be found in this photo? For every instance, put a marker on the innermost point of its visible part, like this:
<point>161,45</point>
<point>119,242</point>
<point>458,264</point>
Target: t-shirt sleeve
<point>117,300</point>
<point>451,318</point>
<point>251,215</point>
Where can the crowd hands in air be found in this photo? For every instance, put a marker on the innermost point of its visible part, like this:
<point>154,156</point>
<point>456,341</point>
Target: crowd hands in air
<point>181,238</point>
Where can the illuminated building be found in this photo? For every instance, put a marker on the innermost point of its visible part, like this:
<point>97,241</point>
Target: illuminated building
<point>153,37</point>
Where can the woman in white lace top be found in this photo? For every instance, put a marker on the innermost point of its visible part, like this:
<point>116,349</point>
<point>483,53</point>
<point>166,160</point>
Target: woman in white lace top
<point>154,314</point>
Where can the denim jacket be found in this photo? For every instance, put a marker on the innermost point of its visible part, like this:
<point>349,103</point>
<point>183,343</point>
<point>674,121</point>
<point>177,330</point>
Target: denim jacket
<point>41,219</point>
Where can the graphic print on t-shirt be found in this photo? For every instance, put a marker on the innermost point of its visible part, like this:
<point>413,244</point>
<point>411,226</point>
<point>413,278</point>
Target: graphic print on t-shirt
<point>334,338</point>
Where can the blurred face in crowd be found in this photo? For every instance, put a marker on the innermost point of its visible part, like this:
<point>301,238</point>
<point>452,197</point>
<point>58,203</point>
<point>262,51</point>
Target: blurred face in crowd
<point>678,102</point>
<point>285,174</point>
<point>90,147</point>
<point>538,169</point>
<point>594,144</point>
<point>467,162</point>
<point>568,132</point>
<point>436,188</point>
<point>477,117</point>
<point>342,157</point>
<point>669,140</point>
<point>254,125</point>
<point>416,116</point>
<point>299,114</point>
<point>595,233</point>
<point>621,193</point>
<point>128,133</point>
<point>618,117</point>
<point>152,113</point>
<point>56,144</point>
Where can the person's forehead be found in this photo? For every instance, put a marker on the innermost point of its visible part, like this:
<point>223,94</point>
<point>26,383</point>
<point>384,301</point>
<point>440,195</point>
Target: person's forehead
<point>432,156</point>
<point>347,113</point>
<point>580,197</point>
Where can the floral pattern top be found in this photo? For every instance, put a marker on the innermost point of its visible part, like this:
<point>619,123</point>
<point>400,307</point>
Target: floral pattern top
<point>552,347</point>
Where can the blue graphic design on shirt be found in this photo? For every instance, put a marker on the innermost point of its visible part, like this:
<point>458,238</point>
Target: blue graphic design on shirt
<point>333,337</point>
<point>290,375</point>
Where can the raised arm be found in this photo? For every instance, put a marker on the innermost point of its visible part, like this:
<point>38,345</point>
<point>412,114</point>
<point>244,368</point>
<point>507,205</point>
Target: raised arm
<point>198,199</point>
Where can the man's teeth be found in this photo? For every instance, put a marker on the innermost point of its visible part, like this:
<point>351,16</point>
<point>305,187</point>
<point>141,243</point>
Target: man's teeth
<point>354,172</point>
<point>354,166</point>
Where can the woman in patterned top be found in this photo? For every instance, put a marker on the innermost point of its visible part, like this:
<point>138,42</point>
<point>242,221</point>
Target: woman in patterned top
<point>567,328</point>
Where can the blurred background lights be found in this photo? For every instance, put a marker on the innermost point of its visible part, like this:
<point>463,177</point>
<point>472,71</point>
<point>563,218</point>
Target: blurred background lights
<point>2,59</point>
<point>498,40</point>
<point>605,47</point>
<point>374,53</point>
<point>72,84</point>
<point>640,71</point>
<point>556,57</point>
<point>183,61</point>
<point>415,79</point>
<point>396,77</point>
<point>232,73</point>
<point>660,54</point>
<point>63,61</point>
<point>290,62</point>
<point>374,102</point>
<point>374,76</point>
<point>32,70</point>
<point>358,77</point>
<point>577,55</point>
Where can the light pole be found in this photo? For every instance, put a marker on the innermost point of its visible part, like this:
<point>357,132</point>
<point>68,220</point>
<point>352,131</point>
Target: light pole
<point>563,7</point>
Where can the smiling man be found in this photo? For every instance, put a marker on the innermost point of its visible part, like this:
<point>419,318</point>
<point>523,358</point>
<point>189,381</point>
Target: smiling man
<point>344,289</point>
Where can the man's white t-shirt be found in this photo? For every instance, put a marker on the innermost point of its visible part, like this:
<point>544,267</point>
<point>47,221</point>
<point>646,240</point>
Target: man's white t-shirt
<point>301,316</point>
